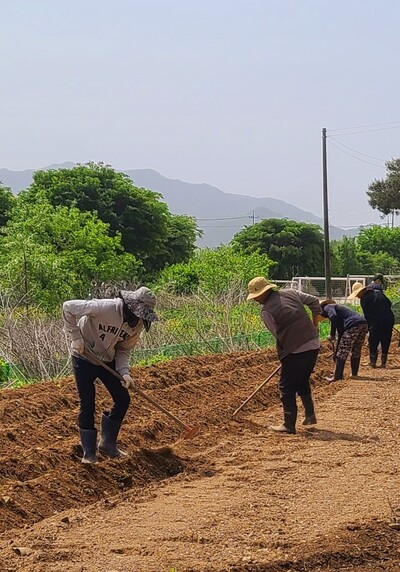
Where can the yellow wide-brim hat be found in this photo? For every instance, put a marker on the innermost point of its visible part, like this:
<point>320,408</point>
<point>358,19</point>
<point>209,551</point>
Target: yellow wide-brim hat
<point>258,286</point>
<point>356,290</point>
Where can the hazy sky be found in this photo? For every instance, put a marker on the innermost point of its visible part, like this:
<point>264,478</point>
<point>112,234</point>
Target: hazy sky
<point>229,92</point>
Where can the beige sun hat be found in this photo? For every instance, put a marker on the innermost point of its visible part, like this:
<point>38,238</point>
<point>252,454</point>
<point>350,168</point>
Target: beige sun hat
<point>258,286</point>
<point>356,290</point>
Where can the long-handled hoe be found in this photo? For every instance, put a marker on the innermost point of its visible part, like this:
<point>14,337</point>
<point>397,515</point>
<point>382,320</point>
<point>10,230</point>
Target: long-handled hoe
<point>333,353</point>
<point>189,432</point>
<point>277,370</point>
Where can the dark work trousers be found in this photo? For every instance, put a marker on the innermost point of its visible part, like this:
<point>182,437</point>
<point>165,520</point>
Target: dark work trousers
<point>85,375</point>
<point>295,377</point>
<point>380,334</point>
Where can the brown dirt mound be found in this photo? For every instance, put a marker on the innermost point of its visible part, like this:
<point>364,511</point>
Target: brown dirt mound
<point>235,498</point>
<point>41,473</point>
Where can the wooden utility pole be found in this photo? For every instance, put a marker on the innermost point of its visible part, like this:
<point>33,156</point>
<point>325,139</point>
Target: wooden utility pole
<point>327,254</point>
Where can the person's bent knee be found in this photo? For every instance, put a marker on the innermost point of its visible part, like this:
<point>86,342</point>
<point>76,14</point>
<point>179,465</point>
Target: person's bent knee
<point>122,405</point>
<point>127,400</point>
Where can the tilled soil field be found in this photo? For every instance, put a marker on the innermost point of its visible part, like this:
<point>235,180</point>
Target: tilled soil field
<point>236,497</point>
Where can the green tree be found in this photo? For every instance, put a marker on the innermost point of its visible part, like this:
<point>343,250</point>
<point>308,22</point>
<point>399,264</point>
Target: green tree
<point>296,247</point>
<point>378,239</point>
<point>381,262</point>
<point>180,243</point>
<point>7,201</point>
<point>346,257</point>
<point>384,194</point>
<point>48,254</point>
<point>148,230</point>
<point>352,256</point>
<point>215,271</point>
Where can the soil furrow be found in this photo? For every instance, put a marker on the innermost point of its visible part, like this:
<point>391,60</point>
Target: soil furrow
<point>237,497</point>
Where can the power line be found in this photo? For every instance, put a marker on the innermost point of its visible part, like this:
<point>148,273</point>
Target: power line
<point>364,126</point>
<point>367,131</point>
<point>355,150</point>
<point>354,156</point>
<point>252,217</point>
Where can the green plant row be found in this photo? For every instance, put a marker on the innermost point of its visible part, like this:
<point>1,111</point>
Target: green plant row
<point>246,342</point>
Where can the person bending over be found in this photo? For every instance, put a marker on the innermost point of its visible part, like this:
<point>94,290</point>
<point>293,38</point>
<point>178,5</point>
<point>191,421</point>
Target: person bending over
<point>109,329</point>
<point>351,328</point>
<point>297,343</point>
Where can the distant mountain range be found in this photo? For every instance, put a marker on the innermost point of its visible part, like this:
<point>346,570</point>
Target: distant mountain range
<point>220,215</point>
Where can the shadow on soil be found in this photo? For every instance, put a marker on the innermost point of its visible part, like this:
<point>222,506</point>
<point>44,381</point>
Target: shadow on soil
<point>325,435</point>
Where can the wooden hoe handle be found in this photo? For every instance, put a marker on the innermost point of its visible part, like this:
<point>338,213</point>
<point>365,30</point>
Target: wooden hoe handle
<point>257,390</point>
<point>190,432</point>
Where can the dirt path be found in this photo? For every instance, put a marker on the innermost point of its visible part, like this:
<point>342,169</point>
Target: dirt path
<point>245,499</point>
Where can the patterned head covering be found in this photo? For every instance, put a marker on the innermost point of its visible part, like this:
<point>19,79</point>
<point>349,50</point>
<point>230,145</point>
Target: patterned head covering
<point>141,302</point>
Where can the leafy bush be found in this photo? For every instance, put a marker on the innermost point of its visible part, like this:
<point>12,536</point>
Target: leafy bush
<point>4,372</point>
<point>152,360</point>
<point>215,272</point>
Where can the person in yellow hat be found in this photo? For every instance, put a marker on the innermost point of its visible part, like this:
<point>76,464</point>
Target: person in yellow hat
<point>378,312</point>
<point>379,280</point>
<point>355,289</point>
<point>297,343</point>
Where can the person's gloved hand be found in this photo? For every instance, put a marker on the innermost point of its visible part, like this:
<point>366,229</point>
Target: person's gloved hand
<point>127,381</point>
<point>78,346</point>
<point>330,338</point>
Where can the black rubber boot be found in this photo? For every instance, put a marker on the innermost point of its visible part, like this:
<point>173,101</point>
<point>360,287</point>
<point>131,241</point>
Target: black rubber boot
<point>384,360</point>
<point>355,365</point>
<point>108,439</point>
<point>339,371</point>
<point>310,418</point>
<point>289,423</point>
<point>88,442</point>
<point>372,360</point>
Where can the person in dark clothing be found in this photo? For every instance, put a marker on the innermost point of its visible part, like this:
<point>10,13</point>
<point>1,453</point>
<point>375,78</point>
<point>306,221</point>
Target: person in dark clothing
<point>377,310</point>
<point>379,280</point>
<point>351,328</point>
<point>297,343</point>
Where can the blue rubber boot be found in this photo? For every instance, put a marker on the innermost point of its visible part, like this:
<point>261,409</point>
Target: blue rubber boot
<point>88,443</point>
<point>339,371</point>
<point>289,423</point>
<point>108,440</point>
<point>309,411</point>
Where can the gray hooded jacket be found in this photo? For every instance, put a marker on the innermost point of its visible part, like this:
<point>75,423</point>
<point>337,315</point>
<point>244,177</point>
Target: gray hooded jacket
<point>101,325</point>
